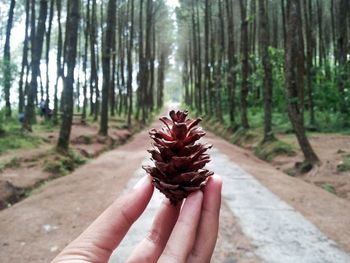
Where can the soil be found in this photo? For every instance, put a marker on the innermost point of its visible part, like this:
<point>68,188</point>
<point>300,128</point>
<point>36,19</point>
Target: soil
<point>331,149</point>
<point>28,169</point>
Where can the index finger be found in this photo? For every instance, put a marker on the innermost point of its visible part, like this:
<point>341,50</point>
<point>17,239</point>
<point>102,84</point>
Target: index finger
<point>98,241</point>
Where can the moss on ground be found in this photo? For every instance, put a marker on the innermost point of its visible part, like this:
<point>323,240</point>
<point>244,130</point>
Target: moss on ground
<point>269,150</point>
<point>14,162</point>
<point>17,139</point>
<point>61,165</point>
<point>329,188</point>
<point>344,166</point>
<point>244,137</point>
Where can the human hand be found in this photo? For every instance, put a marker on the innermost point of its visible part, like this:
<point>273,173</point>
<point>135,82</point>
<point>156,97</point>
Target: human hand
<point>178,234</point>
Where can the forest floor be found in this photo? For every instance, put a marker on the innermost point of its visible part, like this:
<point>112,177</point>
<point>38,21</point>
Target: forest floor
<point>333,150</point>
<point>38,227</point>
<point>24,170</point>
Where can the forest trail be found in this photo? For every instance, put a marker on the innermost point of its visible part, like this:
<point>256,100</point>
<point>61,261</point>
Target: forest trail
<point>256,225</point>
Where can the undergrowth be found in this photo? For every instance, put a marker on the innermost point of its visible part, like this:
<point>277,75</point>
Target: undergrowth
<point>14,162</point>
<point>344,166</point>
<point>269,150</point>
<point>61,165</point>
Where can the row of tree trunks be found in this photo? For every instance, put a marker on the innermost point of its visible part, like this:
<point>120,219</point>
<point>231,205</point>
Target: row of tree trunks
<point>259,20</point>
<point>37,37</point>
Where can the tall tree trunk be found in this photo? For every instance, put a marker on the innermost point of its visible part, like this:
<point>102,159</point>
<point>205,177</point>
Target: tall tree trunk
<point>220,73</point>
<point>7,60</point>
<point>37,46</point>
<point>207,102</point>
<point>59,67</point>
<point>321,52</point>
<point>47,56</point>
<point>93,54</point>
<point>143,81</point>
<point>245,64</point>
<point>120,66</point>
<point>86,46</point>
<point>294,81</point>
<point>147,75</point>
<point>71,54</point>
<point>130,66</point>
<point>309,35</point>
<point>267,91</point>
<point>160,80</point>
<point>284,22</point>
<point>231,75</point>
<point>21,93</point>
<point>199,58</point>
<point>106,64</point>
<point>342,55</point>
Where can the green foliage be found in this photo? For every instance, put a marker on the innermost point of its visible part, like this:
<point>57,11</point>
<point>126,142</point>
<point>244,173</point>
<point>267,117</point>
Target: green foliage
<point>46,126</point>
<point>64,164</point>
<point>277,62</point>
<point>243,137</point>
<point>14,162</point>
<point>329,188</point>
<point>344,166</point>
<point>13,137</point>
<point>2,121</point>
<point>291,171</point>
<point>269,150</point>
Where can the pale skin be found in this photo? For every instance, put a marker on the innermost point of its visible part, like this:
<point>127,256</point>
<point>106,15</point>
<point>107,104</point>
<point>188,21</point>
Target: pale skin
<point>182,233</point>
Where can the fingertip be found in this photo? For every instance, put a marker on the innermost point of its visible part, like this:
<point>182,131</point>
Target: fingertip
<point>214,183</point>
<point>145,181</point>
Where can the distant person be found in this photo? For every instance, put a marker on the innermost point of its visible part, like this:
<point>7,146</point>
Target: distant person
<point>42,107</point>
<point>22,119</point>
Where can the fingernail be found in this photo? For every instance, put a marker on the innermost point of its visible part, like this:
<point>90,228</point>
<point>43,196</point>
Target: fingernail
<point>141,182</point>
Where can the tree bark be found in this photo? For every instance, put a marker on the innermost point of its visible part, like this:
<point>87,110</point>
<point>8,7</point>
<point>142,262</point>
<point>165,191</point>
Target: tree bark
<point>47,56</point>
<point>231,75</point>
<point>21,91</point>
<point>72,25</point>
<point>59,67</point>
<point>7,60</point>
<point>309,35</point>
<point>86,46</point>
<point>294,82</point>
<point>106,64</point>
<point>245,65</point>
<point>130,66</point>
<point>268,84</point>
<point>93,63</point>
<point>37,39</point>
<point>342,54</point>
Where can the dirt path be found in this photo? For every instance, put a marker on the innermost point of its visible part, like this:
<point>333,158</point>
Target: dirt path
<point>36,229</point>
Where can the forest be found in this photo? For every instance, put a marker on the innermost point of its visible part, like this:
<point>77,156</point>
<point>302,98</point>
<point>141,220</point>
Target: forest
<point>83,81</point>
<point>273,61</point>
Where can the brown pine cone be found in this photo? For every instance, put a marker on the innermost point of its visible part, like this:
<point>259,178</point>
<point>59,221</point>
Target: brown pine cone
<point>178,159</point>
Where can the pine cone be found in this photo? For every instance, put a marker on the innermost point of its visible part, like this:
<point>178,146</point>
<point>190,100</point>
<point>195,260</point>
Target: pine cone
<point>178,160</point>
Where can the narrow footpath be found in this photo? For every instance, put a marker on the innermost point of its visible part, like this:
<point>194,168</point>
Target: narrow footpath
<point>266,216</point>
